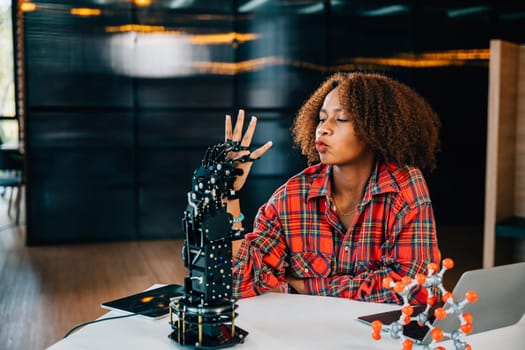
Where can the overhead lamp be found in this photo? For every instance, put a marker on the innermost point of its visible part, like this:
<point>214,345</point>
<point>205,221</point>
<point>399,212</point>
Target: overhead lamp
<point>142,3</point>
<point>85,12</point>
<point>27,6</point>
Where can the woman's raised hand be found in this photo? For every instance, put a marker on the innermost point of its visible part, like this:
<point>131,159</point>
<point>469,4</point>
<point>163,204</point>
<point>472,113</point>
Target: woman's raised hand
<point>244,141</point>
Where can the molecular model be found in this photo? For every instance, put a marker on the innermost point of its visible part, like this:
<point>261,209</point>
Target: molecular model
<point>430,282</point>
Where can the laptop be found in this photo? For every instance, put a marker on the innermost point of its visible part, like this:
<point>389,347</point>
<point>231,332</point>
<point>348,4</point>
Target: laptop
<point>500,303</point>
<point>152,303</point>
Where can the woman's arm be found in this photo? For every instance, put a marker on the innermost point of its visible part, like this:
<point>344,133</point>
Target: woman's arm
<point>260,263</point>
<point>409,248</point>
<point>233,207</point>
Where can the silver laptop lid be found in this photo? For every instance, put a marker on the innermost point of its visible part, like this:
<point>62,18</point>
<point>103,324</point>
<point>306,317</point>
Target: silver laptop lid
<point>500,303</point>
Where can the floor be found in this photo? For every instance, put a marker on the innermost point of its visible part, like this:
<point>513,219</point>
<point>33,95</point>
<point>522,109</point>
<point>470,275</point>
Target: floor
<point>47,290</point>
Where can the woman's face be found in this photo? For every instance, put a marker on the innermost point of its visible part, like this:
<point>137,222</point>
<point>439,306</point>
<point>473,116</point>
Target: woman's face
<point>336,141</point>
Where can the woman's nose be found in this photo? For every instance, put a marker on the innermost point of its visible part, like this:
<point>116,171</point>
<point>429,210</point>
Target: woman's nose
<point>324,129</point>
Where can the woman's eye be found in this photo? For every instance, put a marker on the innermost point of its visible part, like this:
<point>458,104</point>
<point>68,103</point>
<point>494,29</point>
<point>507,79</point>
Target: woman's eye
<point>342,120</point>
<point>321,120</point>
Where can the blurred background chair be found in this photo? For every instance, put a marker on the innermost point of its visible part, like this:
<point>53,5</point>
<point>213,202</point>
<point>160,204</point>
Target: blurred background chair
<point>12,180</point>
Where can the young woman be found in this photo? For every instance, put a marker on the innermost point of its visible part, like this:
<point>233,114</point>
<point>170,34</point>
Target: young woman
<point>362,212</point>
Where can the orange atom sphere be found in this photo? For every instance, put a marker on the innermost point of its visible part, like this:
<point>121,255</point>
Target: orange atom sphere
<point>447,296</point>
<point>376,335</point>
<point>433,267</point>
<point>407,319</point>
<point>448,263</point>
<point>387,281</point>
<point>471,296</point>
<point>399,287</point>
<point>421,278</point>
<point>468,347</point>
<point>468,317</point>
<point>432,300</point>
<point>440,313</point>
<point>466,328</point>
<point>406,280</point>
<point>437,334</point>
<point>407,344</point>
<point>377,325</point>
<point>408,310</point>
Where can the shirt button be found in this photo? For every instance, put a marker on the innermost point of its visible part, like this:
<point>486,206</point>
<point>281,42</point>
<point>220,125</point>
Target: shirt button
<point>306,270</point>
<point>346,248</point>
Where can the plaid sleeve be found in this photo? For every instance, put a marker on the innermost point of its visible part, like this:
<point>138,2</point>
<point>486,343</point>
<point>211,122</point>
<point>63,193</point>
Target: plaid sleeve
<point>260,263</point>
<point>409,247</point>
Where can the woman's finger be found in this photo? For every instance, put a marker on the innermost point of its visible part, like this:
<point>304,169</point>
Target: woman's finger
<point>237,132</point>
<point>261,150</point>
<point>248,135</point>
<point>227,128</point>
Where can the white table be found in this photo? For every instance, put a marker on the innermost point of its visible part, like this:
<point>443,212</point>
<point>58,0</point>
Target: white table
<point>278,321</point>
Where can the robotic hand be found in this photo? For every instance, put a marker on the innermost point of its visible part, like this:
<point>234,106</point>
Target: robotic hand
<point>206,312</point>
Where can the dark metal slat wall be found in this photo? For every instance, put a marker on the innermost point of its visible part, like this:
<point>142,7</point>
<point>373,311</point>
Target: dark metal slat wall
<point>111,151</point>
<point>122,105</point>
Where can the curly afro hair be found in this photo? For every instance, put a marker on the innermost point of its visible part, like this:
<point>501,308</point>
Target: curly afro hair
<point>391,118</point>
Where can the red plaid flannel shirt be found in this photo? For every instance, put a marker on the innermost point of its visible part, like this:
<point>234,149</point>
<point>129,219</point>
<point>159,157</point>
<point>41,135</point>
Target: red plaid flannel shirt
<point>297,232</point>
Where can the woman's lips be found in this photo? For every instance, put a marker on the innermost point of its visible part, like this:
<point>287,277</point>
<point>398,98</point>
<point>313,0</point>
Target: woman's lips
<point>320,146</point>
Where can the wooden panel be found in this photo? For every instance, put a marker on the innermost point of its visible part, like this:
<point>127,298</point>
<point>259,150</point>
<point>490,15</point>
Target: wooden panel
<point>519,186</point>
<point>501,140</point>
<point>506,163</point>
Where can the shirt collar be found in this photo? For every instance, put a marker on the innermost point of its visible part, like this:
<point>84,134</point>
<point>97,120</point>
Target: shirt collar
<point>320,185</point>
<point>381,180</point>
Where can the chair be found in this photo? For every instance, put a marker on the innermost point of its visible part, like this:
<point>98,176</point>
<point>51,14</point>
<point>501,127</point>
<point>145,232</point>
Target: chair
<point>11,177</point>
